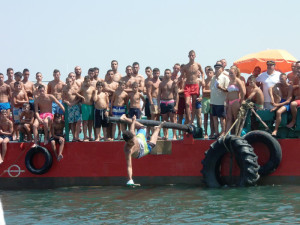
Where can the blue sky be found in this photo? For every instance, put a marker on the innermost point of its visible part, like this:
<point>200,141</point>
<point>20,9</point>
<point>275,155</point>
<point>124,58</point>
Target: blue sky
<point>48,35</point>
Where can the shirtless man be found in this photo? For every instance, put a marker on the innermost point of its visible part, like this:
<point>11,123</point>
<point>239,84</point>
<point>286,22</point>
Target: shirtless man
<point>129,79</point>
<point>39,79</point>
<point>19,97</point>
<point>110,87</point>
<point>79,79</point>
<point>5,94</point>
<point>101,102</point>
<point>148,72</point>
<point>224,64</point>
<point>296,103</point>
<point>181,100</point>
<point>6,129</point>
<point>136,145</point>
<point>10,78</point>
<point>167,99</point>
<point>285,91</point>
<point>152,93</point>
<point>114,67</point>
<point>206,109</point>
<point>135,102</point>
<point>55,88</point>
<point>176,69</point>
<point>91,74</point>
<point>139,78</point>
<point>70,98</point>
<point>255,94</point>
<point>44,103</point>
<point>28,86</point>
<point>87,107</point>
<point>192,72</point>
<point>117,108</point>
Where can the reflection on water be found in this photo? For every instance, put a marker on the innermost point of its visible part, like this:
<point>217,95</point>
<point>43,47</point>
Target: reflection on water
<point>144,205</point>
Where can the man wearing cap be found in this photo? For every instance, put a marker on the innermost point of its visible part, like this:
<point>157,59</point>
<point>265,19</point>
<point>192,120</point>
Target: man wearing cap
<point>218,90</point>
<point>268,79</point>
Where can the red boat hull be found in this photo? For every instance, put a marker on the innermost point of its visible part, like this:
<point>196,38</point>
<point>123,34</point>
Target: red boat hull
<point>103,163</point>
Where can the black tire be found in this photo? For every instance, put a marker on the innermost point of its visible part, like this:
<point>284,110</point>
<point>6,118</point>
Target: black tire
<point>273,146</point>
<point>245,156</point>
<point>29,156</point>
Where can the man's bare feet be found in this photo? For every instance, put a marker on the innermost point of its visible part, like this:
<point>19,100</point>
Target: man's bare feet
<point>86,140</point>
<point>205,136</point>
<point>174,137</point>
<point>34,145</point>
<point>274,133</point>
<point>291,124</point>
<point>98,139</point>
<point>59,157</point>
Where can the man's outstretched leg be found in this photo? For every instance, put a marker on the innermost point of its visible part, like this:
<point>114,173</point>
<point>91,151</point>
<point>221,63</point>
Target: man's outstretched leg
<point>137,124</point>
<point>155,134</point>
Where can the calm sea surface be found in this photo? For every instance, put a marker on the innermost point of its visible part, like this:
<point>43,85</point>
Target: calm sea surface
<point>153,205</point>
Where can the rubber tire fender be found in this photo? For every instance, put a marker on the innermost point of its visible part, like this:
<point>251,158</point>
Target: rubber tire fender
<point>29,157</point>
<point>244,154</point>
<point>273,146</point>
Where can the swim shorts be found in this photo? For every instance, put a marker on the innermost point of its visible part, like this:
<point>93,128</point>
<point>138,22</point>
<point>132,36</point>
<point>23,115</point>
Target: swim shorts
<point>198,104</point>
<point>287,106</point>
<point>118,111</point>
<point>206,105</point>
<point>4,105</point>
<point>55,139</point>
<point>56,108</point>
<point>298,102</point>
<point>147,108</point>
<point>145,148</point>
<point>191,89</point>
<point>218,110</point>
<point>3,136</point>
<point>154,107</point>
<point>87,112</point>
<point>74,113</point>
<point>16,114</point>
<point>135,111</point>
<point>100,118</point>
<point>167,106</point>
<point>45,115</point>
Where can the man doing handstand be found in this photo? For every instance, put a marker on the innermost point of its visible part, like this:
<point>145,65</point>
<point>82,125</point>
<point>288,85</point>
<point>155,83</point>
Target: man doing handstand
<point>136,144</point>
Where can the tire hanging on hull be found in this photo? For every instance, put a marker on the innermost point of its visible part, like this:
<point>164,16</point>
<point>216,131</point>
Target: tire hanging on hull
<point>246,160</point>
<point>273,146</point>
<point>29,158</point>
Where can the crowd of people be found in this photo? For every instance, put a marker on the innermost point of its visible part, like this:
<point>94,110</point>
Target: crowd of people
<point>181,94</point>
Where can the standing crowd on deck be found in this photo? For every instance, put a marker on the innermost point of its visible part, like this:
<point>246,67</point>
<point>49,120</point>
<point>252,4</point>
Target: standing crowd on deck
<point>178,96</point>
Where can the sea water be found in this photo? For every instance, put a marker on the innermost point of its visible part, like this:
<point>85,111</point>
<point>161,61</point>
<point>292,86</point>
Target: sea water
<point>153,205</point>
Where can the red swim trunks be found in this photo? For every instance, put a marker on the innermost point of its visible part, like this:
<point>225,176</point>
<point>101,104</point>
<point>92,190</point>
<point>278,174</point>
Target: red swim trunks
<point>298,102</point>
<point>191,89</point>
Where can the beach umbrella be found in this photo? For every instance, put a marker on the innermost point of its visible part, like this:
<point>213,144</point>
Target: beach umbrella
<point>283,60</point>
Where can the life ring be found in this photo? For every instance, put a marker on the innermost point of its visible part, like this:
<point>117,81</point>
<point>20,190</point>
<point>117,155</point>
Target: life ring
<point>274,147</point>
<point>246,160</point>
<point>29,156</point>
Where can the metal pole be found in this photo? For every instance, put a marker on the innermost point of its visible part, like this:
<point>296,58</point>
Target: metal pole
<point>152,123</point>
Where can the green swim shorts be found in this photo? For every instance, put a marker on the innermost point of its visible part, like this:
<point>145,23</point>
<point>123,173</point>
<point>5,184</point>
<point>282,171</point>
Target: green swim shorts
<point>87,112</point>
<point>206,105</point>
